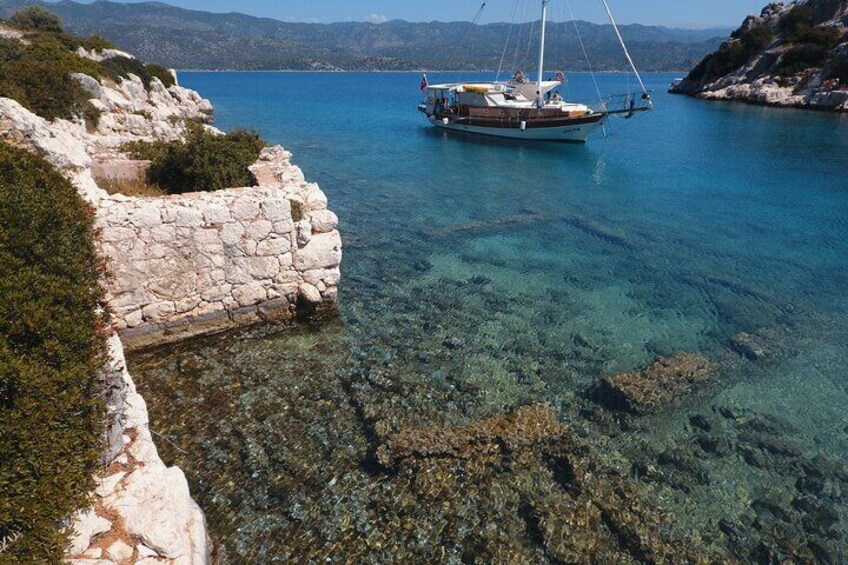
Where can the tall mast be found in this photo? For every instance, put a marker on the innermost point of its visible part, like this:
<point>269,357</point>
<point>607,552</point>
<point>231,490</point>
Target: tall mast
<point>542,54</point>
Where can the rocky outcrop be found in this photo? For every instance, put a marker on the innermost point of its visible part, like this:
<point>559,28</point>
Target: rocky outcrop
<point>793,55</point>
<point>198,263</point>
<point>142,511</point>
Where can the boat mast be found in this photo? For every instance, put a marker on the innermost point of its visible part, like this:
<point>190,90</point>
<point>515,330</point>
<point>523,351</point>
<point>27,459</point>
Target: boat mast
<point>539,102</point>
<point>626,51</point>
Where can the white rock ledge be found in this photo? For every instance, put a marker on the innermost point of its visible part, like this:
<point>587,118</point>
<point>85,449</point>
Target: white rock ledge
<point>143,510</point>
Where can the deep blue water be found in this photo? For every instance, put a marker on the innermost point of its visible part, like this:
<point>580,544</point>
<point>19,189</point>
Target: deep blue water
<point>544,266</point>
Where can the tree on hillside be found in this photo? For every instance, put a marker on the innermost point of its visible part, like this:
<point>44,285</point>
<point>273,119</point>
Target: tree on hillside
<point>36,18</point>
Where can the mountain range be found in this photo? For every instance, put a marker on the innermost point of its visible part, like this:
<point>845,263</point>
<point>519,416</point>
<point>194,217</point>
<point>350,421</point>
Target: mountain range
<point>190,39</point>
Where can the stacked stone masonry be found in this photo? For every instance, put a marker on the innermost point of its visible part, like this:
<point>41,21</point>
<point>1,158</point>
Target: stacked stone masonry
<point>191,264</point>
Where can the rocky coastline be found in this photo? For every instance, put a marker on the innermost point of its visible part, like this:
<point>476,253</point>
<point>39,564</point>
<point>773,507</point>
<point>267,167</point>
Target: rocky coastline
<point>790,55</point>
<point>178,266</point>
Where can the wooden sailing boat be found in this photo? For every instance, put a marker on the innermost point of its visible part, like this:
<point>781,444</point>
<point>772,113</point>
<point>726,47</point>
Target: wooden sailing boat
<point>520,109</point>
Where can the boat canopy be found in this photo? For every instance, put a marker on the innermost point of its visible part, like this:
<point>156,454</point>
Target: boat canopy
<point>527,89</point>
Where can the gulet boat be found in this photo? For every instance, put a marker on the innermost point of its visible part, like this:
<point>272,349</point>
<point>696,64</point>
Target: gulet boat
<point>521,109</point>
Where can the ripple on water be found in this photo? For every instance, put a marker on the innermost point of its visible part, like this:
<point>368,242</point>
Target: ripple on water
<point>481,277</point>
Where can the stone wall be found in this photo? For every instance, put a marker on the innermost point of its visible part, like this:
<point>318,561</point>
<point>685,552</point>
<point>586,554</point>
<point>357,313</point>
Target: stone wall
<point>197,263</point>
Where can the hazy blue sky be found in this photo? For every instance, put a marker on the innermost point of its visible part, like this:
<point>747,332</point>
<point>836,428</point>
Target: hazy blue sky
<point>682,13</point>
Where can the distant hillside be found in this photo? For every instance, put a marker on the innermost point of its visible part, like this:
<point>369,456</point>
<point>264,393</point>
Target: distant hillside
<point>200,40</point>
<point>790,55</point>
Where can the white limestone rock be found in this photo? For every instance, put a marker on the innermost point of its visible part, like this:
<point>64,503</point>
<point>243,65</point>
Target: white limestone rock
<point>102,54</point>
<point>310,293</point>
<point>87,524</point>
<point>120,551</point>
<point>107,485</point>
<point>323,251</point>
<point>155,506</point>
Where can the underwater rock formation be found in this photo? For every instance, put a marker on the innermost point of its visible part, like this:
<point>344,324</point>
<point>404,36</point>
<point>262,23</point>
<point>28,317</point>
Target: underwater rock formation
<point>527,427</point>
<point>657,386</point>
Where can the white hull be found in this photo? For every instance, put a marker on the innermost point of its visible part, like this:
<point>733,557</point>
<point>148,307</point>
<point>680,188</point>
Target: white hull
<point>576,133</point>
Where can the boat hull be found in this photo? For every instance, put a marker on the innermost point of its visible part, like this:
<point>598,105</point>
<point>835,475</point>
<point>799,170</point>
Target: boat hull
<point>574,133</point>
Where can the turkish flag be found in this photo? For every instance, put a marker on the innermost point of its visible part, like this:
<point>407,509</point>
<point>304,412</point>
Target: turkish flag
<point>424,83</point>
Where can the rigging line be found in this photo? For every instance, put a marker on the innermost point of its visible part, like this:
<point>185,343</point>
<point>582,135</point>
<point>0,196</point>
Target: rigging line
<point>585,53</point>
<point>530,40</point>
<point>465,37</point>
<point>564,47</point>
<point>521,25</point>
<point>508,38</point>
<point>624,46</point>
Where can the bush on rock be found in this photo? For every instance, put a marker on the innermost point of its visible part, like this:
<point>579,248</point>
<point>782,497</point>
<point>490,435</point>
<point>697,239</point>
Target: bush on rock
<point>205,161</point>
<point>51,354</point>
<point>36,18</point>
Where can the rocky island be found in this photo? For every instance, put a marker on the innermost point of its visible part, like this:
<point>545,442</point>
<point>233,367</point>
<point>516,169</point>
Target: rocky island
<point>791,55</point>
<point>257,243</point>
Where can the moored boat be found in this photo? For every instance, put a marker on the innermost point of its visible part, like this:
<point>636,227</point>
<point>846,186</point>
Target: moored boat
<point>521,109</point>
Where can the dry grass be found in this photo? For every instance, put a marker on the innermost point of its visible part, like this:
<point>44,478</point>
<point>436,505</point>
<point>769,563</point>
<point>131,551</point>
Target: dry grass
<point>138,187</point>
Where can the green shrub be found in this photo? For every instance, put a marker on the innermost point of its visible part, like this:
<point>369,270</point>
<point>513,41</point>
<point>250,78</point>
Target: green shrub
<point>36,18</point>
<point>839,71</point>
<point>38,76</point>
<point>296,210</point>
<point>205,161</point>
<point>163,74</point>
<point>93,43</point>
<point>51,352</point>
<point>797,16</point>
<point>802,57</point>
<point>733,55</point>
<point>825,36</point>
<point>117,68</point>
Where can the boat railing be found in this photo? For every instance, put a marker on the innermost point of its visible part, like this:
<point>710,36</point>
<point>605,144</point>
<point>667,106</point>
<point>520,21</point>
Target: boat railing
<point>627,105</point>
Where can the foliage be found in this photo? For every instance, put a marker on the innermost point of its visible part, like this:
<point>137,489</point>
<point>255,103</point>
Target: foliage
<point>37,72</point>
<point>811,45</point>
<point>746,44</point>
<point>36,18</point>
<point>116,68</point>
<point>163,74</point>
<point>824,36</point>
<point>51,353</point>
<point>38,76</point>
<point>802,57</point>
<point>800,15</point>
<point>135,187</point>
<point>297,210</point>
<point>205,161</point>
<point>839,71</point>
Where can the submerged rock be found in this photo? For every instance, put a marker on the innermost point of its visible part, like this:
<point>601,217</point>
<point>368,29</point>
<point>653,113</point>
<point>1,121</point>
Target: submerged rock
<point>657,386</point>
<point>527,427</point>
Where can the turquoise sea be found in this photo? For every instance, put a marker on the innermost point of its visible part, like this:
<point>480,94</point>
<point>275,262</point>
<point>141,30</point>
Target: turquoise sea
<point>480,276</point>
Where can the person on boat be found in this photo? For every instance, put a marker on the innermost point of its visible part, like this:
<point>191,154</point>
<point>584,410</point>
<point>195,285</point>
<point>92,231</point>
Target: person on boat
<point>556,96</point>
<point>519,77</point>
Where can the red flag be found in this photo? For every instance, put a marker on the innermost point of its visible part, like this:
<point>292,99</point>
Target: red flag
<point>424,83</point>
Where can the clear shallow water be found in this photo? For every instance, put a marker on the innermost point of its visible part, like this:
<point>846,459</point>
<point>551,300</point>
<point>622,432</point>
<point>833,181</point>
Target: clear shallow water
<point>484,275</point>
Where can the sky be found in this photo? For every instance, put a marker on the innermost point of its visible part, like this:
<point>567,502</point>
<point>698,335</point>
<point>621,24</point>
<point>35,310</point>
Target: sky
<point>672,13</point>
